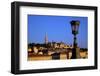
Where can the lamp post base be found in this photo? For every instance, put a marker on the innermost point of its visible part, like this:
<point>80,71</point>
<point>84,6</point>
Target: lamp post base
<point>73,53</point>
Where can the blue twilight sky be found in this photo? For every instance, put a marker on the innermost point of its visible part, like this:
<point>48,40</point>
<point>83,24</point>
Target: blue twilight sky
<point>57,28</point>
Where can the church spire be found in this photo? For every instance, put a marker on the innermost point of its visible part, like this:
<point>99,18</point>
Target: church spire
<point>46,38</point>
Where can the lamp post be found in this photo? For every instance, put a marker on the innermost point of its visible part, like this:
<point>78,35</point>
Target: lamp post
<point>75,27</point>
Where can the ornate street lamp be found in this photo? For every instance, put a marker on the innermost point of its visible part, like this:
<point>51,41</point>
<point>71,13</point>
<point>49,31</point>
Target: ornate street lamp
<point>75,27</point>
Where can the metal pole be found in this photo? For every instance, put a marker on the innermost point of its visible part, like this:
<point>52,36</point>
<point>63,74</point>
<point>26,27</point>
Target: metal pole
<point>74,48</point>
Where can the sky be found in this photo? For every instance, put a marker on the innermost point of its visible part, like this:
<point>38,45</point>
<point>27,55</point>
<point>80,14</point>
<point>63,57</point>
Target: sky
<point>57,28</point>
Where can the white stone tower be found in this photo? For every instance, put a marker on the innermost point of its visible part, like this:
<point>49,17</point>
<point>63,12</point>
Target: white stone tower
<point>46,38</point>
